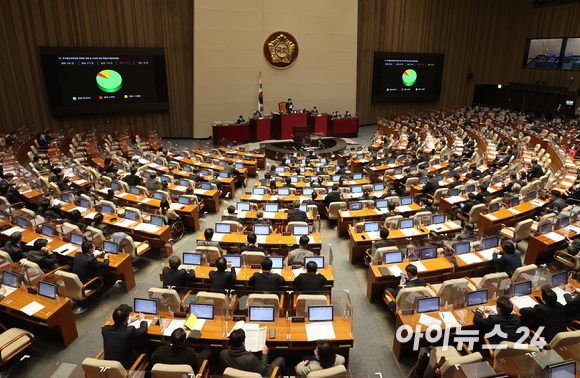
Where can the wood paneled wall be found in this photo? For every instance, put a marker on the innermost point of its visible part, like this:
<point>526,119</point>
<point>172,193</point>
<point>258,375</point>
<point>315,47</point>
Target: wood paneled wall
<point>487,37</point>
<point>27,24</point>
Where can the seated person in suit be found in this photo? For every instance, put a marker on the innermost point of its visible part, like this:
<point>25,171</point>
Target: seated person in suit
<point>469,204</point>
<point>312,200</point>
<point>61,182</point>
<point>475,173</point>
<point>176,354</point>
<point>572,303</point>
<point>46,210</point>
<point>468,233</point>
<point>366,195</point>
<point>86,266</point>
<point>75,219</point>
<point>536,171</point>
<point>550,315</point>
<point>37,163</point>
<point>132,179</point>
<point>266,281</point>
<point>119,336</point>
<point>260,218</point>
<point>220,279</point>
<point>13,247</point>
<point>381,243</point>
<point>237,357</point>
<point>288,183</point>
<point>175,275</point>
<point>427,206</point>
<point>310,282</point>
<point>483,195</point>
<point>508,323</point>
<point>347,114</point>
<point>10,194</point>
<point>412,280</point>
<point>152,184</point>
<point>314,110</point>
<point>232,215</point>
<point>240,120</point>
<point>252,246</point>
<point>43,256</point>
<point>558,202</point>
<point>98,224</point>
<point>208,235</point>
<point>431,185</point>
<point>333,196</point>
<point>296,256</point>
<point>508,259</point>
<point>297,215</point>
<point>216,180</point>
<point>324,357</point>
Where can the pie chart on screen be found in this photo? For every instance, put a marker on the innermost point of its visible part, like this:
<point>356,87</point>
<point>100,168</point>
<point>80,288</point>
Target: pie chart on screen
<point>109,81</point>
<point>409,77</point>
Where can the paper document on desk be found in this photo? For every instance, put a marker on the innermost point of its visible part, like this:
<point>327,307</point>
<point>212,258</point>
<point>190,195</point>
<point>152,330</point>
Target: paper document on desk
<point>381,210</point>
<point>537,203</point>
<point>470,258</point>
<point>514,211</point>
<point>573,229</point>
<point>175,206</point>
<point>121,195</point>
<point>487,254</point>
<point>188,267</point>
<point>255,338</point>
<point>395,270</point>
<point>297,271</point>
<point>436,227</point>
<point>173,325</point>
<point>261,239</point>
<point>454,199</point>
<point>449,319</point>
<point>217,237</point>
<point>153,165</point>
<point>452,224</point>
<point>554,236</point>
<point>178,158</point>
<point>427,320</point>
<point>9,290</point>
<point>147,227</point>
<point>146,200</point>
<point>490,217</point>
<point>65,249</point>
<point>437,166</point>
<point>320,331</point>
<point>80,209</point>
<point>345,213</point>
<point>90,215</point>
<point>420,266</point>
<point>523,301</point>
<point>410,231</point>
<point>491,190</point>
<point>560,293</point>
<point>31,243</point>
<point>373,235</point>
<point>137,323</point>
<point>398,177</point>
<point>269,215</point>
<point>199,191</point>
<point>125,223</point>
<point>80,182</point>
<point>355,195</point>
<point>32,308</point>
<point>25,191</point>
<point>241,214</point>
<point>12,230</point>
<point>363,161</point>
<point>180,188</point>
<point>143,161</point>
<point>256,197</point>
<point>403,208</point>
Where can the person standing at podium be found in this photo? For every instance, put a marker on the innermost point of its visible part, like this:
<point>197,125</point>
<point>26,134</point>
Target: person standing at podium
<point>289,106</point>
<point>240,120</point>
<point>314,110</point>
<point>257,114</point>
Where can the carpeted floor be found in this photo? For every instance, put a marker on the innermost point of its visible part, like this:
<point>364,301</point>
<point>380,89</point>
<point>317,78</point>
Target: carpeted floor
<point>373,325</point>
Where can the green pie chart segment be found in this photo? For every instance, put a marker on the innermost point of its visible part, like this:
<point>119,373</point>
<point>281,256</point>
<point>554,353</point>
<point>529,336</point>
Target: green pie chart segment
<point>109,81</point>
<point>409,77</point>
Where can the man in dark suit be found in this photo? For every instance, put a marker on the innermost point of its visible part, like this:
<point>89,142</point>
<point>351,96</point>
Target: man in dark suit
<point>86,266</point>
<point>173,276</point>
<point>508,323</point>
<point>266,281</point>
<point>426,205</point>
<point>468,233</point>
<point>288,183</point>
<point>550,315</point>
<point>13,247</point>
<point>469,204</point>
<point>118,337</point>
<point>407,176</point>
<point>312,200</point>
<point>431,185</point>
<point>219,279</point>
<point>483,194</point>
<point>456,182</point>
<point>572,303</point>
<point>251,246</point>
<point>232,215</point>
<point>297,215</point>
<point>237,357</point>
<point>260,218</point>
<point>310,282</point>
<point>10,194</point>
<point>558,203</point>
<point>240,120</point>
<point>333,196</point>
<point>289,106</point>
<point>231,169</point>
<point>536,171</point>
<point>476,174</point>
<point>507,259</point>
<point>412,280</point>
<point>43,256</point>
<point>176,354</point>
<point>132,179</point>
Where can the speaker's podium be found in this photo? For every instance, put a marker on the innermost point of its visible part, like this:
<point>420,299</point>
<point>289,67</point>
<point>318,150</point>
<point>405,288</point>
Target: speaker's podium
<point>231,132</point>
<point>283,124</point>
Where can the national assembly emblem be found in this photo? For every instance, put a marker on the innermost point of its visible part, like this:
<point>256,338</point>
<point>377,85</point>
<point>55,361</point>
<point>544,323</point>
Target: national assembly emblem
<point>280,49</point>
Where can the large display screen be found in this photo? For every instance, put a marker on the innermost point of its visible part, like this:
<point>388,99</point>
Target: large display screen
<point>83,80</point>
<point>406,77</point>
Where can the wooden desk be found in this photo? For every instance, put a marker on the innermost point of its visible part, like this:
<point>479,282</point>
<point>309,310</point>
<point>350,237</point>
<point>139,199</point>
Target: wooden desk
<point>486,222</point>
<point>56,316</point>
<point>261,158</point>
<point>214,335</point>
<point>279,220</point>
<point>211,198</point>
<point>251,165</point>
<point>539,245</point>
<point>277,243</point>
<point>156,239</point>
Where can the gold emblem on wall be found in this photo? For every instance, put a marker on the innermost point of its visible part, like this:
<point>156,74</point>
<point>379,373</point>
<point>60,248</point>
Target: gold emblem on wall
<point>280,49</point>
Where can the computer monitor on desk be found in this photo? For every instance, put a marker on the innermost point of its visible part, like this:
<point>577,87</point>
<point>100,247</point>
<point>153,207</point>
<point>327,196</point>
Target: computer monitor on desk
<point>546,228</point>
<point>76,239</point>
<point>494,207</point>
<point>319,260</point>
<point>47,289</point>
<point>379,187</point>
<point>223,228</point>
<point>65,197</point>
<point>422,180</point>
<point>110,247</point>
<point>258,191</point>
<point>262,229</point>
<point>300,230</point>
<point>205,186</point>
<point>21,222</point>
<point>277,262</point>
<point>428,253</point>
<point>559,279</point>
<point>356,189</point>
<point>522,288</point>
<point>394,257</point>
<point>462,247</point>
<point>515,201</point>
<point>406,223</point>
<point>243,206</point>
<point>271,207</point>
<point>261,314</point>
<point>406,201</point>
<point>438,219</point>
<point>563,222</point>
<point>566,369</point>
<point>428,304</point>
<point>307,191</point>
<point>371,226</point>
<point>355,206</point>
<point>156,220</point>
<point>476,298</point>
<point>134,191</point>
<point>357,176</point>
<point>192,258</point>
<point>158,196</point>
<point>10,278</point>
<point>47,231</point>
<point>202,311</point>
<point>381,204</point>
<point>131,215</point>
<point>398,171</point>
<point>107,209</point>
<point>320,313</point>
<point>283,191</point>
<point>491,242</point>
<point>145,306</point>
<point>235,260</point>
